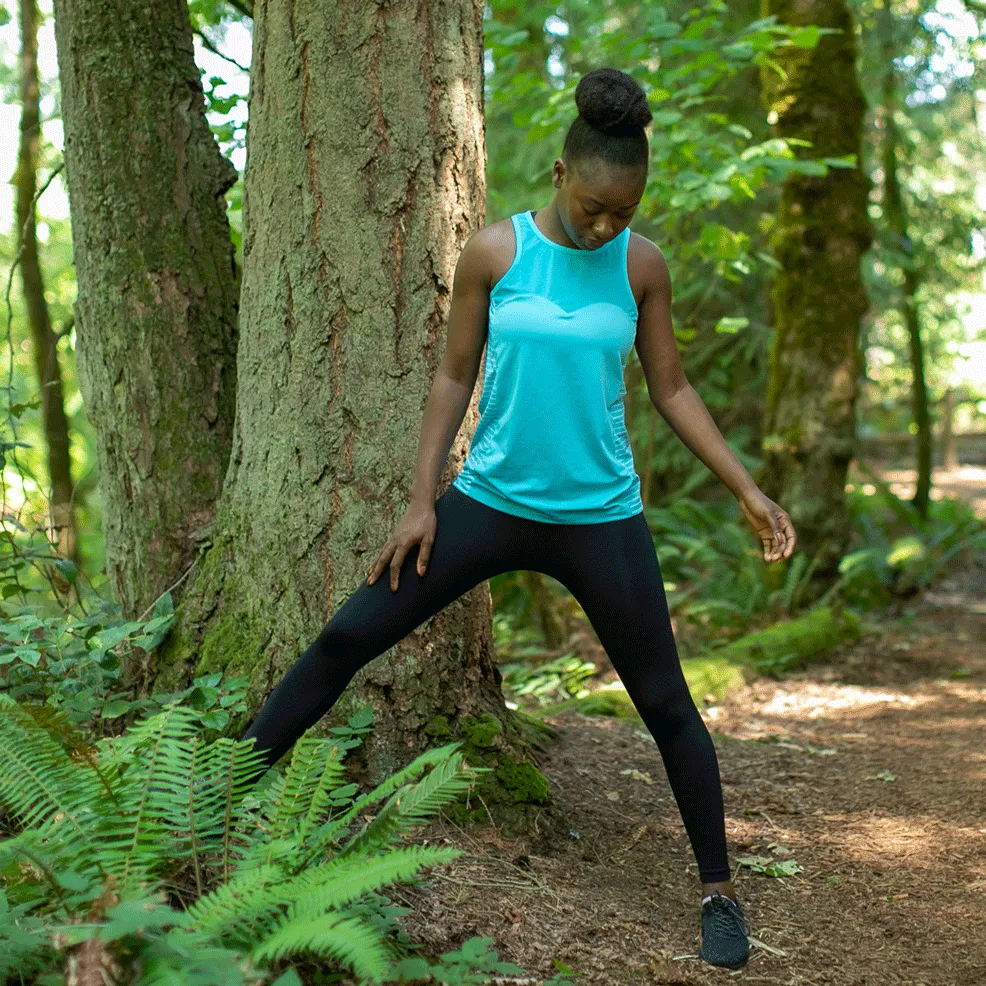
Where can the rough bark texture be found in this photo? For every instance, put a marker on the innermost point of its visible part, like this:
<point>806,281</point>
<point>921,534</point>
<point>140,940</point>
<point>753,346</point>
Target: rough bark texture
<point>156,309</point>
<point>43,339</point>
<point>819,298</point>
<point>364,178</point>
<point>895,212</point>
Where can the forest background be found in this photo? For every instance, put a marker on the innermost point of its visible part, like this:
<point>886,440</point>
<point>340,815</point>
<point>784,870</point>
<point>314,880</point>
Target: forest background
<point>90,551</point>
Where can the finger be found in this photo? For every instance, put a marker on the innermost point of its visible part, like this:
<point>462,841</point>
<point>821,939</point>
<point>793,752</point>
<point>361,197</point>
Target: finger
<point>374,570</point>
<point>424,553</point>
<point>395,566</point>
<point>790,538</point>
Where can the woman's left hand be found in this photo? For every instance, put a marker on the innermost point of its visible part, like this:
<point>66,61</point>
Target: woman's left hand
<point>771,523</point>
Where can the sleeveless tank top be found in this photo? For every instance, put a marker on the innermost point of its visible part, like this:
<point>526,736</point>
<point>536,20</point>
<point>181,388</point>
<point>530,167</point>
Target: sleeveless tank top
<point>551,443</point>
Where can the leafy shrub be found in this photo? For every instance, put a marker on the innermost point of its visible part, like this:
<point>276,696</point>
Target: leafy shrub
<point>151,856</point>
<point>896,552</point>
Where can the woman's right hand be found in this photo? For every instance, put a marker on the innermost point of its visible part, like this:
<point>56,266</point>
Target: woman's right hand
<point>418,524</point>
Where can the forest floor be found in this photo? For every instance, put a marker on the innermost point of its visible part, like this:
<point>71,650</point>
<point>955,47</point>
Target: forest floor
<point>866,768</point>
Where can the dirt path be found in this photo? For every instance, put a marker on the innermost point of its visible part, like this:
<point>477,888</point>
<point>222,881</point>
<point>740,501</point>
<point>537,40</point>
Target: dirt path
<point>868,771</point>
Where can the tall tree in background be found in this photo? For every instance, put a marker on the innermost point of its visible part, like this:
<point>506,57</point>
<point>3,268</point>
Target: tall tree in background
<point>364,178</point>
<point>819,299</point>
<point>157,288</point>
<point>44,342</point>
<point>896,218</point>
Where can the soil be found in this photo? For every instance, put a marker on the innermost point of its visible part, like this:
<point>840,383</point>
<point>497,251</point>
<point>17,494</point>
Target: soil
<point>867,769</point>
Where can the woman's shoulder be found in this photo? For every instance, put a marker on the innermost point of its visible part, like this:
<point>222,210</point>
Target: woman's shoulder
<point>646,266</point>
<point>493,247</point>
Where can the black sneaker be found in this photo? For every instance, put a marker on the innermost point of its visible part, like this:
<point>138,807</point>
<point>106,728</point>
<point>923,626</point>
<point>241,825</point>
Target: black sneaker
<point>724,933</point>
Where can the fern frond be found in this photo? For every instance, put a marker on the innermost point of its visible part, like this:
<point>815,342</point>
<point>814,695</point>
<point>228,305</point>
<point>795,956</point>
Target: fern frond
<point>24,941</point>
<point>310,760</point>
<point>415,804</point>
<point>252,900</point>
<point>403,776</point>
<point>329,793</point>
<point>38,781</point>
<point>179,797</point>
<point>344,879</point>
<point>349,940</point>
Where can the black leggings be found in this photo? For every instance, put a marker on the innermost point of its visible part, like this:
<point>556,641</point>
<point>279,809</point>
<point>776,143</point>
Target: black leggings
<point>612,570</point>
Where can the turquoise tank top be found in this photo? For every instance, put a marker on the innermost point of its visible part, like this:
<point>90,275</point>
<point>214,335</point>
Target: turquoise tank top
<point>551,443</point>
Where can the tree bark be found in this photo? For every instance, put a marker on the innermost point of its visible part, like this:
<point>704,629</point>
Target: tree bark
<point>43,340</point>
<point>818,295</point>
<point>364,178</point>
<point>895,212</point>
<point>157,286</point>
<point>949,455</point>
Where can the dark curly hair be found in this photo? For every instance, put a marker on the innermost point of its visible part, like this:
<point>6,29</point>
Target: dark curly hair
<point>613,112</point>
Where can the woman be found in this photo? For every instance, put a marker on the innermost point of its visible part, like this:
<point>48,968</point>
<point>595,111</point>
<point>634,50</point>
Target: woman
<point>558,297</point>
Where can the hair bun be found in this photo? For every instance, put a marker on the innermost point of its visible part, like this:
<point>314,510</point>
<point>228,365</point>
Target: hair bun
<point>612,101</point>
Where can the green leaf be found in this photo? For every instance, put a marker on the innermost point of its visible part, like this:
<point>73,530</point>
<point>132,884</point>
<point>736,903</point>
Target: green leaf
<point>68,569</point>
<point>116,708</point>
<point>806,37</point>
<point>28,655</point>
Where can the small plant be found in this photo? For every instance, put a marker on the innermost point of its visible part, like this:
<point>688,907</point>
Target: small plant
<point>553,681</point>
<point>897,552</point>
<point>150,857</point>
<point>770,867</point>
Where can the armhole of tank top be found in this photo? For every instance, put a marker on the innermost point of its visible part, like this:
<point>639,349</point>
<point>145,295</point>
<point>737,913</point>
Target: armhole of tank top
<point>632,309</point>
<point>513,263</point>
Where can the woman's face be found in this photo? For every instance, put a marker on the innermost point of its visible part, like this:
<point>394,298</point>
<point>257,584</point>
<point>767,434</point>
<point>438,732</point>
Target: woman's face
<point>597,205</point>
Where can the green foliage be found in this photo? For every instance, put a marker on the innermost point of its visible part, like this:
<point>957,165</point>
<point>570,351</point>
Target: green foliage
<point>895,552</point>
<point>110,837</point>
<point>714,572</point>
<point>553,681</point>
<point>74,663</point>
<point>769,867</point>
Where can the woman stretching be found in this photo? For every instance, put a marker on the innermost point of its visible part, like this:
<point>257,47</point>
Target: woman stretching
<point>558,297</point>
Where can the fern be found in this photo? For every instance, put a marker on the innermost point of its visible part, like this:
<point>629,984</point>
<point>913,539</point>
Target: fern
<point>348,939</point>
<point>104,824</point>
<point>411,806</point>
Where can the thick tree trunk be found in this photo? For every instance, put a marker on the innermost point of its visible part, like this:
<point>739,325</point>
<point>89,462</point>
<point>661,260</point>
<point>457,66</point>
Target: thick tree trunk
<point>819,298</point>
<point>949,454</point>
<point>364,178</point>
<point>895,212</point>
<point>156,311</point>
<point>43,339</point>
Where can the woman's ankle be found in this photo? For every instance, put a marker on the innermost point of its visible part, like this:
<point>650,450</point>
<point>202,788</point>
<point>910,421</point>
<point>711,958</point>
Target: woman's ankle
<point>724,887</point>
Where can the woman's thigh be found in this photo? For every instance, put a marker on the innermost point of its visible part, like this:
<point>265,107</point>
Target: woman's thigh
<point>473,542</point>
<point>614,574</point>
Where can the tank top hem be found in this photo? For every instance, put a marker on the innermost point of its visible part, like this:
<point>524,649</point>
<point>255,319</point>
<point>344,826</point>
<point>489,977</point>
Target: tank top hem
<point>465,484</point>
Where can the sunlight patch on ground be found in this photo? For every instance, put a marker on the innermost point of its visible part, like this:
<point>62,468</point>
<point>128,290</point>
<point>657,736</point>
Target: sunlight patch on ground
<point>811,700</point>
<point>915,841</point>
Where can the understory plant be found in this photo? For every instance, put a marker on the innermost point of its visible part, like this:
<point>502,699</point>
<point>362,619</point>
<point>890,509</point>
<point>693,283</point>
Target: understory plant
<point>153,857</point>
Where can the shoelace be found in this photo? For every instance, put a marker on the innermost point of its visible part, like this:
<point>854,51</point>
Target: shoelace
<point>726,917</point>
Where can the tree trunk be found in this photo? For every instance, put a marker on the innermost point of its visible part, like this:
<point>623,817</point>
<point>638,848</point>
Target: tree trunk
<point>364,178</point>
<point>545,603</point>
<point>895,212</point>
<point>951,459</point>
<point>156,309</point>
<point>43,339</point>
<point>819,298</point>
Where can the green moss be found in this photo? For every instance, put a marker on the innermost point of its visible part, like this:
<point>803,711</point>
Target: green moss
<point>603,702</point>
<point>524,782</point>
<point>481,731</point>
<point>439,730</point>
<point>513,795</point>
